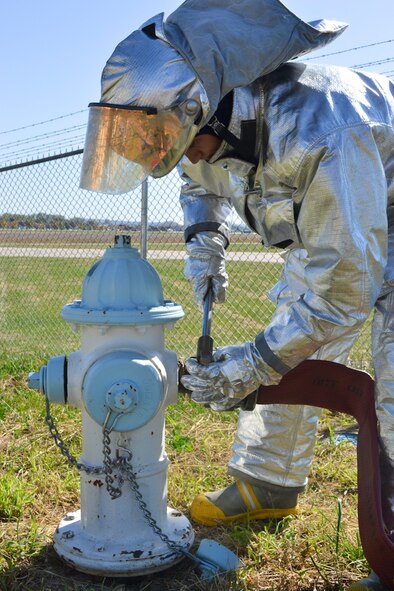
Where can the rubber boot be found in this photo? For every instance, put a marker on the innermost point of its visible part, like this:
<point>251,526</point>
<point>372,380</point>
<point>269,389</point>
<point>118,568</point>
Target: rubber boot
<point>371,583</point>
<point>242,501</point>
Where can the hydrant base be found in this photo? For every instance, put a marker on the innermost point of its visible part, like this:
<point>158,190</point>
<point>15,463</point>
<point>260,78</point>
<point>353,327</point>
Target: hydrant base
<point>121,558</point>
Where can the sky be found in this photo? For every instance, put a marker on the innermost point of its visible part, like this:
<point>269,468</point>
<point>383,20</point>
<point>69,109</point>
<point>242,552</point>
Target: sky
<point>53,53</point>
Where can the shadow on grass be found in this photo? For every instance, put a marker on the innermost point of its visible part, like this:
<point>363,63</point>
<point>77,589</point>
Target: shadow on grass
<point>47,572</point>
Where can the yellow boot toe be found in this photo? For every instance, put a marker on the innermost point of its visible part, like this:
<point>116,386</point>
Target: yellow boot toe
<point>239,503</point>
<point>206,513</point>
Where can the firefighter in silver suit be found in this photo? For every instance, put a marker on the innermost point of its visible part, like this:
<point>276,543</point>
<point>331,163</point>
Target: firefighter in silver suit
<point>304,154</point>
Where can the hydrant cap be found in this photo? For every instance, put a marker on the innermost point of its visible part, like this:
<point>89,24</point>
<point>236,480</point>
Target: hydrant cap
<point>122,279</point>
<point>122,288</point>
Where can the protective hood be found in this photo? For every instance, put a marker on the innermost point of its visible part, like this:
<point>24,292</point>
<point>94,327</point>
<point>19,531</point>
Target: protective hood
<point>223,44</point>
<point>146,71</point>
<point>205,49</point>
<point>231,43</point>
<point>182,68</point>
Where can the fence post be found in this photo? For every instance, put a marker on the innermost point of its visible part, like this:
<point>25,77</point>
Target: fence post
<point>144,220</point>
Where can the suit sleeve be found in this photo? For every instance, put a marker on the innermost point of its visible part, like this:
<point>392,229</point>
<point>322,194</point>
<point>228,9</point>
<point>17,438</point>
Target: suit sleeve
<point>204,212</point>
<point>342,223</point>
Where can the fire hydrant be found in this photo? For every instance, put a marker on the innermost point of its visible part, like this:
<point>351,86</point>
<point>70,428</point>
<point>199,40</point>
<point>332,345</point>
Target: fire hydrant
<point>122,379</point>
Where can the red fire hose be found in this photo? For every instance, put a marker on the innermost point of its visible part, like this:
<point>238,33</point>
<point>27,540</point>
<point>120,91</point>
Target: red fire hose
<point>336,387</point>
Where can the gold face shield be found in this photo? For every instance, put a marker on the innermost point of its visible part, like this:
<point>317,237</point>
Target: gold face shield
<point>124,145</point>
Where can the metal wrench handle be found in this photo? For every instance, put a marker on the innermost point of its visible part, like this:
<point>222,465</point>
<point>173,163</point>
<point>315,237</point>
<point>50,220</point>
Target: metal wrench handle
<point>205,342</point>
<point>205,347</point>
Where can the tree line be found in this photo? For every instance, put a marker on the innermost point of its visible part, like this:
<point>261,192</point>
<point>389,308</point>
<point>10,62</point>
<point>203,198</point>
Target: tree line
<point>47,221</point>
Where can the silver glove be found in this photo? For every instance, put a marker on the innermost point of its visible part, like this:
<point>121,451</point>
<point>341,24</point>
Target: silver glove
<point>236,371</point>
<point>206,261</point>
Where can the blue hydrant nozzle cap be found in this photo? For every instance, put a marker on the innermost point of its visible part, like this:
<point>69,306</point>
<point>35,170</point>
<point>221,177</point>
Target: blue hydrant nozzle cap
<point>51,380</point>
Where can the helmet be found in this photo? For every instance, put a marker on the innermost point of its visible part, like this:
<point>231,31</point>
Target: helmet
<point>165,81</point>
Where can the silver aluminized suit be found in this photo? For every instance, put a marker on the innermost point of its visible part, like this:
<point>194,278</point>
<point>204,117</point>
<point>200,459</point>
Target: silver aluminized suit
<point>324,181</point>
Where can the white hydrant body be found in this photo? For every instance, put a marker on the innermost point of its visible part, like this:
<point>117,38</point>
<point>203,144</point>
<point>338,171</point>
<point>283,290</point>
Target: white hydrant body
<point>122,379</point>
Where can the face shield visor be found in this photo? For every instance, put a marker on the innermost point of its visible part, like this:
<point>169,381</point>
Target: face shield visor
<point>125,144</point>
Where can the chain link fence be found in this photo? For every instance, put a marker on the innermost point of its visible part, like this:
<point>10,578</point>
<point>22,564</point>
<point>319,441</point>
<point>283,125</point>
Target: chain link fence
<point>51,232</point>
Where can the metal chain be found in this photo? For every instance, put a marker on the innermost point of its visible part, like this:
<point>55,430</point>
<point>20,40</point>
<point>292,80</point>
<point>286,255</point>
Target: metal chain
<point>131,476</point>
<point>125,472</point>
<point>113,491</point>
<point>60,444</point>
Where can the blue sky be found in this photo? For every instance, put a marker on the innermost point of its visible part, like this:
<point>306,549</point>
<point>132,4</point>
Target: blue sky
<point>53,52</point>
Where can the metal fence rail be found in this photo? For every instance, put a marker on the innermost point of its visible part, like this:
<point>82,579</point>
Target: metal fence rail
<point>51,232</point>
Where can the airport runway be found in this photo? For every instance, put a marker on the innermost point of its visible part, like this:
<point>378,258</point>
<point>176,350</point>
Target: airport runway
<point>92,253</point>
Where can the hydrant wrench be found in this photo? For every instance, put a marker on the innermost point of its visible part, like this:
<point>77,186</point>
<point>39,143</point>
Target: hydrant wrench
<point>205,347</point>
<point>205,341</point>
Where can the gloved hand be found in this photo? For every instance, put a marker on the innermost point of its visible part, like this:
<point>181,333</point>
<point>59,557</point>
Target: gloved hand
<point>236,371</point>
<point>206,261</point>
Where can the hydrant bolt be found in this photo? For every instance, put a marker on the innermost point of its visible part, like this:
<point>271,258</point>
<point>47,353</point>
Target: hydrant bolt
<point>122,397</point>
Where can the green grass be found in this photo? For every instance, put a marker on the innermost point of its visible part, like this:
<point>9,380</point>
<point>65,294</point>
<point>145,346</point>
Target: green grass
<point>34,294</point>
